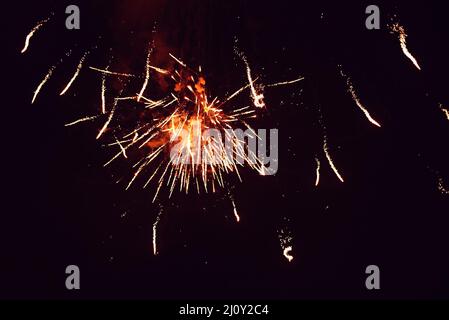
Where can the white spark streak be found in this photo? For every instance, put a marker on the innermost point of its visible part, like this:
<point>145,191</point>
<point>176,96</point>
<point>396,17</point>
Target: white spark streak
<point>111,115</point>
<point>111,73</point>
<point>329,159</point>
<point>400,31</point>
<point>103,93</point>
<point>318,166</point>
<point>32,32</point>
<point>39,88</point>
<point>158,219</point>
<point>177,60</point>
<point>147,75</point>
<point>78,69</point>
<point>81,120</point>
<point>285,82</point>
<point>356,99</point>
<point>237,217</point>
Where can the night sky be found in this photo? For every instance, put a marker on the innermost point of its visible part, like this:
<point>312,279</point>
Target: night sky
<point>61,207</point>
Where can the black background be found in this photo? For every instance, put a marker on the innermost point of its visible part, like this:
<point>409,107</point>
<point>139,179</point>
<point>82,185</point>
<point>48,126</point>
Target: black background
<point>62,207</point>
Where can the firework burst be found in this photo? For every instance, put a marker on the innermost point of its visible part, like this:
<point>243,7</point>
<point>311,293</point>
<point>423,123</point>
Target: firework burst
<point>172,145</point>
<point>180,124</point>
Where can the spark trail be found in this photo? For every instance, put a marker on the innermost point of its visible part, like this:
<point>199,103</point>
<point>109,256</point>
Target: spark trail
<point>399,30</point>
<point>103,94</point>
<point>78,69</point>
<point>257,97</point>
<point>47,77</point>
<point>147,75</point>
<point>356,99</point>
<point>43,82</point>
<point>39,25</point>
<point>318,167</point>
<point>111,73</point>
<point>85,119</point>
<point>329,159</point>
<point>284,83</point>
<point>440,184</point>
<point>155,225</point>
<point>234,207</point>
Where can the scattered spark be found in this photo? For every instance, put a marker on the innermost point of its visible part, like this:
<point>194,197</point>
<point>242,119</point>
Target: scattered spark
<point>78,69</point>
<point>439,179</point>
<point>356,99</point>
<point>400,31</point>
<point>286,239</point>
<point>318,166</point>
<point>442,188</point>
<point>444,110</point>
<point>258,97</point>
<point>32,32</point>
